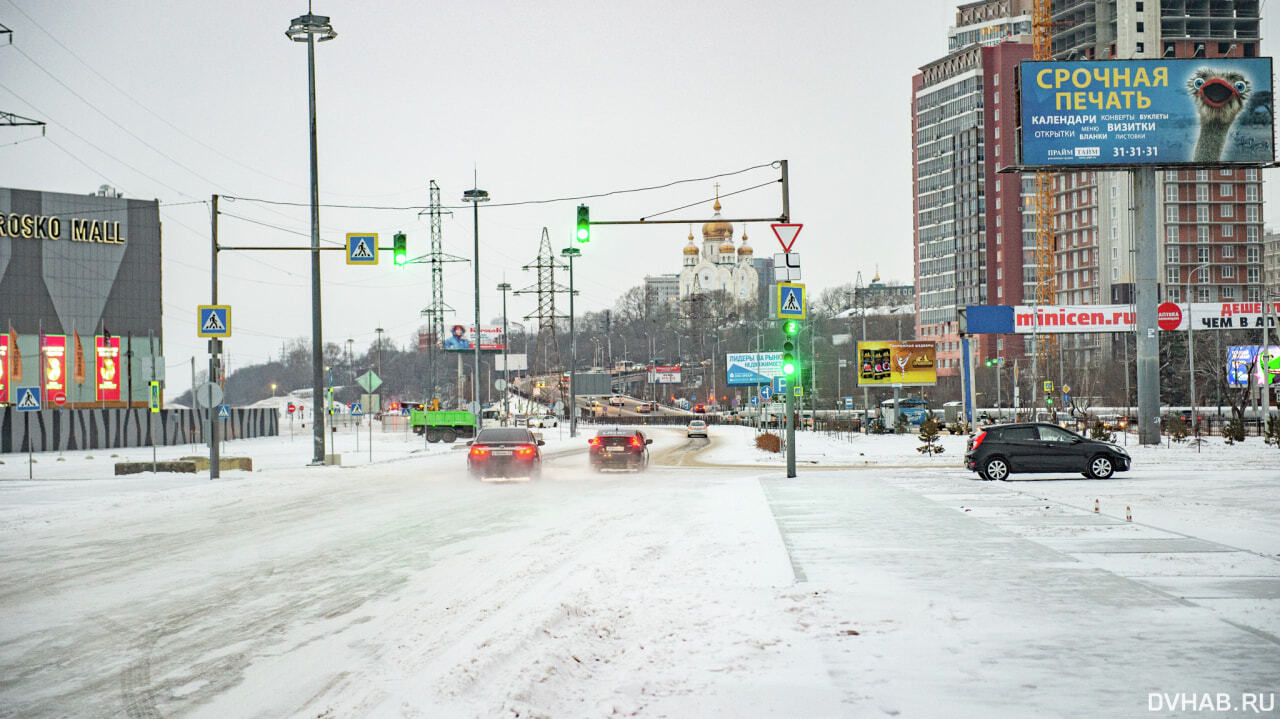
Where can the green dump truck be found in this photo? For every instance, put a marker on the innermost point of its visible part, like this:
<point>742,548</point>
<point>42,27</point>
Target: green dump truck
<point>442,425</point>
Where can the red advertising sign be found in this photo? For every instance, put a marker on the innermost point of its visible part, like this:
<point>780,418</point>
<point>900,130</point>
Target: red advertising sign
<point>1168,316</point>
<point>4,368</point>
<point>53,350</point>
<point>106,376</point>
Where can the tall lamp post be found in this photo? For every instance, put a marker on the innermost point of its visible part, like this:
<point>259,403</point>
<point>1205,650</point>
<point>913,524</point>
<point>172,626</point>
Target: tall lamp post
<point>475,197</point>
<point>572,253</point>
<point>1191,354</point>
<point>506,366</point>
<point>308,28</point>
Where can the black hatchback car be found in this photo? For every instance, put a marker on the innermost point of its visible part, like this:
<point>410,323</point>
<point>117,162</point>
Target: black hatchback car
<point>998,451</point>
<point>619,449</point>
<point>505,452</point>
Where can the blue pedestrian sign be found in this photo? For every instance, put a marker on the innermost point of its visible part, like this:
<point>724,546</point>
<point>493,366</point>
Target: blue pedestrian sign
<point>224,412</point>
<point>780,385</point>
<point>213,320</point>
<point>356,411</point>
<point>766,392</point>
<point>28,398</point>
<point>1066,399</point>
<point>362,248</point>
<point>791,304</point>
<point>404,411</point>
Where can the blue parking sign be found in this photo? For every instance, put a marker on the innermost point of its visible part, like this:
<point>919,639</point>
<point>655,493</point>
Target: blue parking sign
<point>779,385</point>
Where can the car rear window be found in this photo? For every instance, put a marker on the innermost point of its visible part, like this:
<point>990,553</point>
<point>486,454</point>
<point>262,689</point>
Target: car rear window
<point>1018,434</point>
<point>506,434</point>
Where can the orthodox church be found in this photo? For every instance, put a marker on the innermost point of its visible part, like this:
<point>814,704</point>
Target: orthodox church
<point>719,265</point>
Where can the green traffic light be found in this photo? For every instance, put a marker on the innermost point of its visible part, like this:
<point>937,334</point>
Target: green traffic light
<point>584,223</point>
<point>399,250</point>
<point>790,327</point>
<point>788,368</point>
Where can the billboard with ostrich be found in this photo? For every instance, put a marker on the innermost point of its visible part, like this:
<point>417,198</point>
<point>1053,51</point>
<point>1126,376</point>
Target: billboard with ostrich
<point>1201,111</point>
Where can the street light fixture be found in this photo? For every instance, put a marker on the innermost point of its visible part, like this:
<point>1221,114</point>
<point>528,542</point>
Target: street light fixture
<point>506,365</point>
<point>572,253</point>
<point>1191,353</point>
<point>475,197</point>
<point>308,28</point>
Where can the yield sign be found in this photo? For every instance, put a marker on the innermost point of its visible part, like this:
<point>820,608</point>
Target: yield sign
<point>786,234</point>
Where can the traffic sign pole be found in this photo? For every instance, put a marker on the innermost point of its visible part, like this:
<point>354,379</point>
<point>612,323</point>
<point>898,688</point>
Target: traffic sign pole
<point>791,433</point>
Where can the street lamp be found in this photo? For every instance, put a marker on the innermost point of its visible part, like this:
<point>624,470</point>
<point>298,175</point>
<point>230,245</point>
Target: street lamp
<point>506,366</point>
<point>1191,353</point>
<point>306,28</point>
<point>475,197</point>
<point>572,253</point>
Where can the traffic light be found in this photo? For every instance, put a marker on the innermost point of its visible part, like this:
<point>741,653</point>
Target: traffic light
<point>789,330</point>
<point>584,223</point>
<point>399,251</point>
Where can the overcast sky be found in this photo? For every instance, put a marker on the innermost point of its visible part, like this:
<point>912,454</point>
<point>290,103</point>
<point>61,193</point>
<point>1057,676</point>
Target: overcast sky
<point>542,100</point>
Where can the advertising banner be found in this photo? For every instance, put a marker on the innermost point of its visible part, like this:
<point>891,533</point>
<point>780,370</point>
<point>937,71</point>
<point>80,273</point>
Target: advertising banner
<point>106,374</point>
<point>1244,361</point>
<point>1170,316</point>
<point>664,374</point>
<point>1146,112</point>
<point>463,338</point>
<point>519,362</point>
<point>905,363</point>
<point>752,367</point>
<point>54,350</point>
<point>4,369</point>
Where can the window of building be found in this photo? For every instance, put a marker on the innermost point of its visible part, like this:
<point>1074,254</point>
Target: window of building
<point>1253,294</point>
<point>995,80</point>
<point>1228,251</point>
<point>1202,275</point>
<point>1171,175</point>
<point>1225,189</point>
<point>1251,255</point>
<point>1170,193</point>
<point>997,97</point>
<point>1202,294</point>
<point>1115,254</point>
<point>1228,210</point>
<point>1171,276</point>
<point>1202,213</point>
<point>1202,233</point>
<point>1115,273</point>
<point>1228,293</point>
<point>1140,29</point>
<point>1251,233</point>
<point>997,129</point>
<point>1251,174</point>
<point>1172,293</point>
<point>1171,233</point>
<point>1228,271</point>
<point>1202,175</point>
<point>1171,255</point>
<point>1225,172</point>
<point>1227,229</point>
<point>1170,213</point>
<point>1139,47</point>
<point>1251,213</point>
<point>1253,274</point>
<point>1202,254</point>
<point>1115,192</point>
<point>1250,193</point>
<point>1202,193</point>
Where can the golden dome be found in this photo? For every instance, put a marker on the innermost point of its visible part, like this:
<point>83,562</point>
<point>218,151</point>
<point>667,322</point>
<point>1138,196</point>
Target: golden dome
<point>745,249</point>
<point>727,247</point>
<point>717,228</point>
<point>690,250</point>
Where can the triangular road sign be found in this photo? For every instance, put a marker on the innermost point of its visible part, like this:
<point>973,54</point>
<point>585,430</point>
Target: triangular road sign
<point>355,410</point>
<point>361,250</point>
<point>786,233</point>
<point>790,302</point>
<point>213,323</point>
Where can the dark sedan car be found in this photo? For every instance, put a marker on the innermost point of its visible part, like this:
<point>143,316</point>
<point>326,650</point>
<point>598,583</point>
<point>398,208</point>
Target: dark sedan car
<point>1032,447</point>
<point>618,449</point>
<point>505,452</point>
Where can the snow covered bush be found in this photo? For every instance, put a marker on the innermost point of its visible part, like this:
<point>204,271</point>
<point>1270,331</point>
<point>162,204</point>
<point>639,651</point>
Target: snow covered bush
<point>769,442</point>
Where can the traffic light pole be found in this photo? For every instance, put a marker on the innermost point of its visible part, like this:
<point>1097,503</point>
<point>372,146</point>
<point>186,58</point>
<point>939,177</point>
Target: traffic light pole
<point>791,431</point>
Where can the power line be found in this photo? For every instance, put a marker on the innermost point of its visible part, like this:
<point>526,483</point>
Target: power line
<point>574,198</point>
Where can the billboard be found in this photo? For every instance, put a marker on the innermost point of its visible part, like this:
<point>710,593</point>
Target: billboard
<point>106,375</point>
<point>463,338</point>
<point>1240,361</point>
<point>752,367</point>
<point>54,367</point>
<point>1170,316</point>
<point>519,362</point>
<point>4,368</point>
<point>910,362</point>
<point>1146,112</point>
<point>659,374</point>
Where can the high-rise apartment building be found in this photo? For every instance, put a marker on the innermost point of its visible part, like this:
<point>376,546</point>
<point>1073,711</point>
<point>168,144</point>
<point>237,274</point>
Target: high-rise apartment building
<point>957,211</point>
<point>974,230</point>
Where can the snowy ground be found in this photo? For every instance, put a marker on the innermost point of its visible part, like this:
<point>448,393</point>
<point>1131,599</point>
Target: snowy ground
<point>877,583</point>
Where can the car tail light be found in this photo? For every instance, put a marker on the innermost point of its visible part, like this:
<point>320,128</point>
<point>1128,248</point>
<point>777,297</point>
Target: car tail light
<point>594,441</point>
<point>479,451</point>
<point>635,442</point>
<point>977,440</point>
<point>525,451</point>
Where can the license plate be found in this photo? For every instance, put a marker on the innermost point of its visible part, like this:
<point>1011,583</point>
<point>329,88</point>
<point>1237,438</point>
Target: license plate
<point>611,450</point>
<point>502,453</point>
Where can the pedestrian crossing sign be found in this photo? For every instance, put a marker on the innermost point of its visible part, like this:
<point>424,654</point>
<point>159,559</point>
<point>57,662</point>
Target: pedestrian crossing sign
<point>791,303</point>
<point>356,411</point>
<point>28,398</point>
<point>362,248</point>
<point>213,320</point>
<point>224,412</point>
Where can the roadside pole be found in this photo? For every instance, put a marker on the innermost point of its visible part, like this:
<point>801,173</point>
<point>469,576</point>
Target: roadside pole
<point>791,431</point>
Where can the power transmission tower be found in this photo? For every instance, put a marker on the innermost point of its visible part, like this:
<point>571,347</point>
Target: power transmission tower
<point>435,311</point>
<point>548,346</point>
<point>9,119</point>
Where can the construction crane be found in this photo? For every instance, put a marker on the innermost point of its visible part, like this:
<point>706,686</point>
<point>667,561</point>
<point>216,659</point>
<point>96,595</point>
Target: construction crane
<point>1042,49</point>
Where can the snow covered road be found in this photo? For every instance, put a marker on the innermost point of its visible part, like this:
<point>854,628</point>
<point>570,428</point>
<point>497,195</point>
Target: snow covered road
<point>403,589</point>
